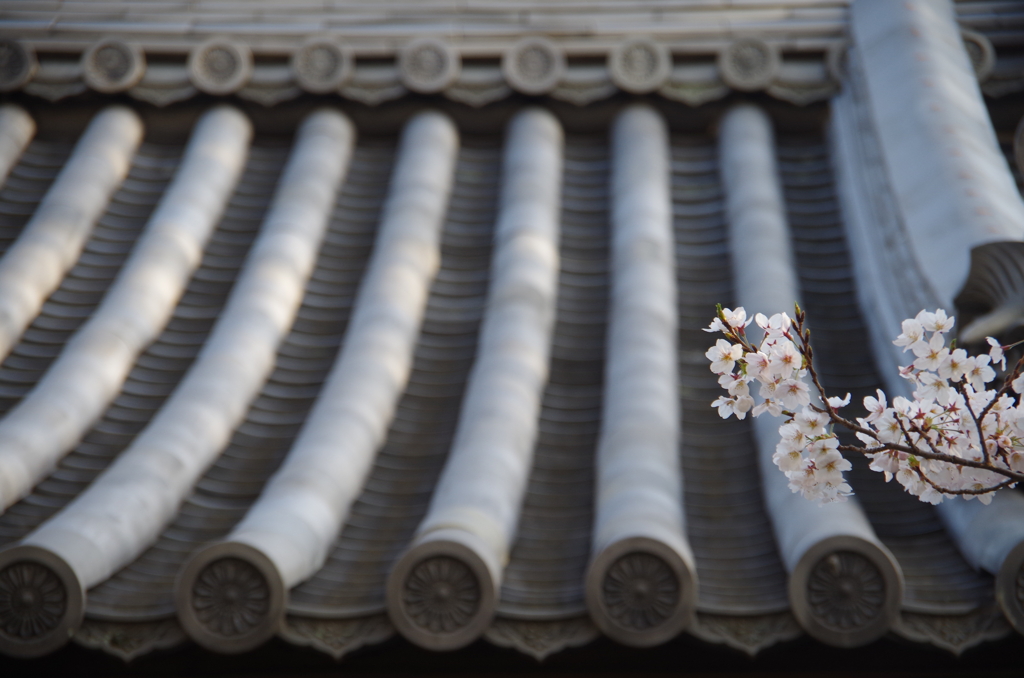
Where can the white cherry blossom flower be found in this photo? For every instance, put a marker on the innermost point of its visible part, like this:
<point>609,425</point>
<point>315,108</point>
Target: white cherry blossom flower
<point>774,327</point>
<point>930,354</point>
<point>770,388</point>
<point>933,387</point>
<point>738,405</point>
<point>836,402</point>
<point>725,406</point>
<point>930,495</point>
<point>785,359</point>
<point>823,446</point>
<point>875,406</point>
<point>715,326</point>
<point>744,404</point>
<point>830,464</point>
<point>886,462</point>
<point>912,333</point>
<point>734,384</point>
<point>996,352</point>
<point>757,363</point>
<point>787,459</point>
<point>954,366</point>
<point>772,407</point>
<point>980,373</point>
<point>736,319</point>
<point>935,322</point>
<point>864,436</point>
<point>723,356</point>
<point>909,480</point>
<point>888,429</point>
<point>812,424</point>
<point>794,393</point>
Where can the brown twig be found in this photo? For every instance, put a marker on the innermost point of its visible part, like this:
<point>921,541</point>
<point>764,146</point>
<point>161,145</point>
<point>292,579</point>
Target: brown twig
<point>943,490</point>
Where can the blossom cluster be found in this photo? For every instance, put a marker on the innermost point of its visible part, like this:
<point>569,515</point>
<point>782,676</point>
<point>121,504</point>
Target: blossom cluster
<point>956,436</point>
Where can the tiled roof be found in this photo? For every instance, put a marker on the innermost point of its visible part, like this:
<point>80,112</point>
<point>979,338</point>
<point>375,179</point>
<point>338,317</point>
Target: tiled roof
<point>474,53</point>
<point>354,380</point>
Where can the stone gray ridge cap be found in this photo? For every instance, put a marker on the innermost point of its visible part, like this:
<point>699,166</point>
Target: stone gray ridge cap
<point>747,39</point>
<point>476,502</point>
<point>236,51</point>
<point>89,373</point>
<point>16,131</point>
<point>766,282</point>
<point>398,20</point>
<point>125,510</point>
<point>294,523</point>
<point>889,289</point>
<point>51,242</point>
<point>911,246</point>
<point>928,111</point>
<point>641,585</point>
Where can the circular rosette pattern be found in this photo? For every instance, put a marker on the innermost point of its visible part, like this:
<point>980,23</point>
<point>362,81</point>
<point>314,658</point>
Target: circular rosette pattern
<point>41,601</point>
<point>321,66</point>
<point>748,64</point>
<point>17,65</point>
<point>113,66</point>
<point>639,66</point>
<point>533,66</point>
<point>441,595</point>
<point>230,597</point>
<point>428,65</point>
<point>33,601</point>
<point>640,591</point>
<point>845,591</point>
<point>220,66</point>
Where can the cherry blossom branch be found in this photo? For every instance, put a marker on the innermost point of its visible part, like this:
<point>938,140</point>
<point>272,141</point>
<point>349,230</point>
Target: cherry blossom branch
<point>963,491</point>
<point>916,438</point>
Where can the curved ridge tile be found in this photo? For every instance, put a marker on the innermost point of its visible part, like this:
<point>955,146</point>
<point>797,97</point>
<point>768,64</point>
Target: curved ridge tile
<point>52,241</point>
<point>937,580</point>
<point>910,117</point>
<point>462,545</point>
<point>738,563</point>
<point>299,513</point>
<point>159,369</point>
<point>923,97</point>
<point>547,565</point>
<point>76,389</point>
<point>16,131</point>
<point>891,227</point>
<point>144,589</point>
<point>82,289</point>
<point>110,523</point>
<point>397,492</point>
<point>27,184</point>
<point>641,584</point>
<point>1011,143</point>
<point>835,539</point>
